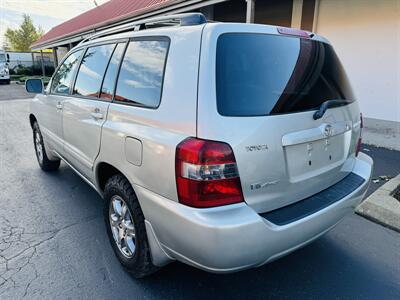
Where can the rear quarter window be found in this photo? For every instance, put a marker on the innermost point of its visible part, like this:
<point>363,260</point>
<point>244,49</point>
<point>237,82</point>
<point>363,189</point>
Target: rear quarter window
<point>142,72</point>
<point>261,74</point>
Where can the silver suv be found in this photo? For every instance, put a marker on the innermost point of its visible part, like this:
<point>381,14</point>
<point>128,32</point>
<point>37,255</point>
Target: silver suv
<point>224,146</point>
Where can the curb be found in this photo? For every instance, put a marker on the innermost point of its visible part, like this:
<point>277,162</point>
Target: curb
<point>381,207</point>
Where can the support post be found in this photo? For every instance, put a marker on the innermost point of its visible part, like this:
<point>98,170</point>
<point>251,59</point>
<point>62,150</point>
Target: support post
<point>307,15</point>
<point>250,11</point>
<point>55,57</point>
<point>42,60</point>
<point>297,11</point>
<point>33,60</point>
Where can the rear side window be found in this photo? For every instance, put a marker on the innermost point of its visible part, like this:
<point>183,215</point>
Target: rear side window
<point>92,69</point>
<point>260,74</point>
<point>62,80</point>
<point>107,89</point>
<point>141,76</point>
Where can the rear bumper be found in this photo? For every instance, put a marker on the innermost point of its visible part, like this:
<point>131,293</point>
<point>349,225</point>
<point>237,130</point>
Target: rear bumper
<point>235,237</point>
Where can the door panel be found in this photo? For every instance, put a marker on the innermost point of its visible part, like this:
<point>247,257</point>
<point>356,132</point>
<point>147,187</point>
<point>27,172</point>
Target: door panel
<point>50,119</point>
<point>84,115</point>
<point>82,123</point>
<point>51,102</point>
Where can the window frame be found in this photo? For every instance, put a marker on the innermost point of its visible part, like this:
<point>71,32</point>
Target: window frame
<point>143,38</point>
<point>126,42</point>
<point>98,44</point>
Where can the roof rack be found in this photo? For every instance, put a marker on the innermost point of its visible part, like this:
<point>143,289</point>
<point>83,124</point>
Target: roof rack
<point>186,19</point>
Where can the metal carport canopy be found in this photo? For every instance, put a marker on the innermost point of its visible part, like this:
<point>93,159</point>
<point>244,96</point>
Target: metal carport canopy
<point>157,7</point>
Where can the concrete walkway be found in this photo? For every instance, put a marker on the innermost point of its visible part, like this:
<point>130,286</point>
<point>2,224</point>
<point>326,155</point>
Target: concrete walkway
<point>382,207</point>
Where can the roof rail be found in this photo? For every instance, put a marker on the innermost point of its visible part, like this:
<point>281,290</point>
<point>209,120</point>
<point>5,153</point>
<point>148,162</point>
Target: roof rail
<point>186,19</point>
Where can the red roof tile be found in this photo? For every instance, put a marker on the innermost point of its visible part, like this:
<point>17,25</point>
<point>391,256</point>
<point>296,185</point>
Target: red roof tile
<point>104,14</point>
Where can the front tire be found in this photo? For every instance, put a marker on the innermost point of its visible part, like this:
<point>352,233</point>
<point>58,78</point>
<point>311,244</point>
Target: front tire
<point>126,228</point>
<point>45,163</point>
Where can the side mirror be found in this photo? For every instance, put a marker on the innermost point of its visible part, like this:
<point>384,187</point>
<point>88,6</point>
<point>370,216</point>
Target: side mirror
<point>34,85</point>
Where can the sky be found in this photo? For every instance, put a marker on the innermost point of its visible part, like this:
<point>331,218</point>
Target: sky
<point>45,13</point>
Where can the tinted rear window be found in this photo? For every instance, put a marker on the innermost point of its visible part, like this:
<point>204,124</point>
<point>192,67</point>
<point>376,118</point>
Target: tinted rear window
<point>260,74</point>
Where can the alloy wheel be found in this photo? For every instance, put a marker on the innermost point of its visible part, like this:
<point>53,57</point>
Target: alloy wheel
<point>39,147</point>
<point>122,226</point>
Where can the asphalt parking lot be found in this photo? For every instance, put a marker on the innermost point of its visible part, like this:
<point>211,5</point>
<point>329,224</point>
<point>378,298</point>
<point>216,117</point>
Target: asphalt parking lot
<point>53,242</point>
<point>13,91</point>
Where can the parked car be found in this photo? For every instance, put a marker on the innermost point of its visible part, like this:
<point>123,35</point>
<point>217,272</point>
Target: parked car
<point>4,70</point>
<point>221,145</point>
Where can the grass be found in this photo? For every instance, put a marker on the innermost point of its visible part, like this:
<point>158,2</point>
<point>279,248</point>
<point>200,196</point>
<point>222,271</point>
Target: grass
<point>16,77</point>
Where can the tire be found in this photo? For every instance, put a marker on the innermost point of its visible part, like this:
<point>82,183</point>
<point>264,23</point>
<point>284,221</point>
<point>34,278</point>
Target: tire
<point>122,213</point>
<point>45,163</point>
<point>8,81</point>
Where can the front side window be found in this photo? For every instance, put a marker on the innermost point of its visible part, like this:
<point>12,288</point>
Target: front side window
<point>141,75</point>
<point>2,58</point>
<point>92,69</point>
<point>62,80</point>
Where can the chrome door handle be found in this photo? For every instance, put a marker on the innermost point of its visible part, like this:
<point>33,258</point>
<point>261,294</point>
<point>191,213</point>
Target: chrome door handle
<point>97,115</point>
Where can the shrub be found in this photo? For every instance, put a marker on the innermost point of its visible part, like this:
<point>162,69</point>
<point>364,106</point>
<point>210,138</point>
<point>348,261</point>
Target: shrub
<point>35,70</point>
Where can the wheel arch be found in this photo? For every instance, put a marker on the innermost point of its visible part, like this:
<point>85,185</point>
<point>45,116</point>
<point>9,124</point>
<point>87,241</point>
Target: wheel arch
<point>105,171</point>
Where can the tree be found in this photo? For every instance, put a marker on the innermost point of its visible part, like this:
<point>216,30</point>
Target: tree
<point>21,39</point>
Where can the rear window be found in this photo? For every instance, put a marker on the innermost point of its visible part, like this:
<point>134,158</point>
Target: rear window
<point>260,74</point>
<point>92,69</point>
<point>141,76</point>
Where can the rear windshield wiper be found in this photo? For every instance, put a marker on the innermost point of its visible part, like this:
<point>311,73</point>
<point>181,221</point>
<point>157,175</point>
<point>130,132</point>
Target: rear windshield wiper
<point>328,104</point>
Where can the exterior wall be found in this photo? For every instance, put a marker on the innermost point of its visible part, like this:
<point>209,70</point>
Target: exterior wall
<point>366,36</point>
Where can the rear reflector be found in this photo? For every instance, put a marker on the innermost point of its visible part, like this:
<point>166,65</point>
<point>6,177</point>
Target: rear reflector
<point>294,32</point>
<point>206,174</point>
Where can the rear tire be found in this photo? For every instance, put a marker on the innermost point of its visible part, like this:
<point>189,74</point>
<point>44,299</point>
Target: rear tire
<point>45,163</point>
<point>126,228</point>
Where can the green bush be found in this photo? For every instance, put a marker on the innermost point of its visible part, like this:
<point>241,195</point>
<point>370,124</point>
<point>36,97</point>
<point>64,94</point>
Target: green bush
<point>15,77</point>
<point>35,70</point>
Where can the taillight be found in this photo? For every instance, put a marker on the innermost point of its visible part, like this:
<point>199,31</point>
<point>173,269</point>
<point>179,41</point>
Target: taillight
<point>359,142</point>
<point>206,174</point>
